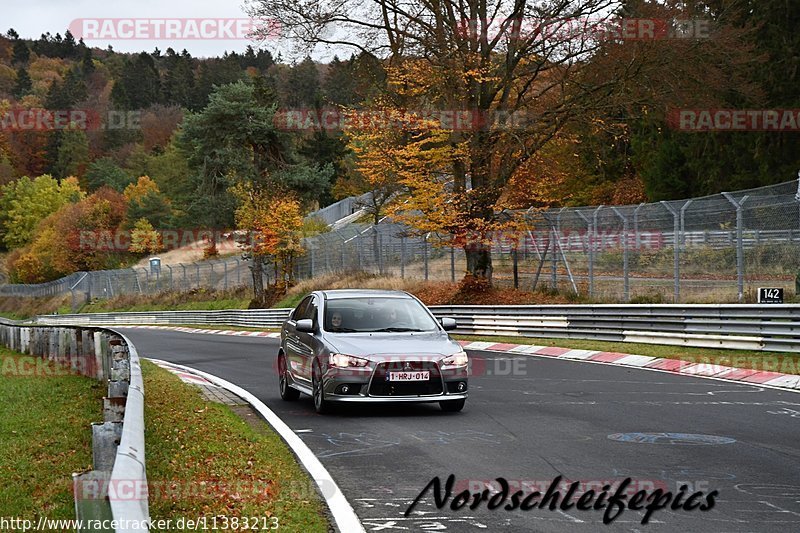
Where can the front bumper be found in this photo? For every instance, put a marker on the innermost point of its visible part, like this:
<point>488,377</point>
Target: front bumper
<point>370,384</point>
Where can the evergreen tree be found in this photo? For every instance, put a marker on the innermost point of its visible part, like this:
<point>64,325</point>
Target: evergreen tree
<point>21,54</point>
<point>23,86</point>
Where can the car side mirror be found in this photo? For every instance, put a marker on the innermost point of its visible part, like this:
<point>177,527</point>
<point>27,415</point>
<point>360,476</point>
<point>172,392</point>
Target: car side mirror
<point>305,325</point>
<point>448,323</point>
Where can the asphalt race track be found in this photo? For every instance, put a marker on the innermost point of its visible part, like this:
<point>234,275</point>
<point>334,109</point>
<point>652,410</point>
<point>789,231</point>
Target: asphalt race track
<point>530,420</point>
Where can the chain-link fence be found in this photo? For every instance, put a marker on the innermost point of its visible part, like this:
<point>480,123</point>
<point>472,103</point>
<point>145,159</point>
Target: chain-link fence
<point>718,248</point>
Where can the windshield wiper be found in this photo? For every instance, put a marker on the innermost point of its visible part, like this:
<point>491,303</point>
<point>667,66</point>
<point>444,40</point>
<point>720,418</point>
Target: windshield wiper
<point>395,330</point>
<point>343,330</point>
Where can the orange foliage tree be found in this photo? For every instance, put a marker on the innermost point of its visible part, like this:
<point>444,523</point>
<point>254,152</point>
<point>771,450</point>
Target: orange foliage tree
<point>272,226</point>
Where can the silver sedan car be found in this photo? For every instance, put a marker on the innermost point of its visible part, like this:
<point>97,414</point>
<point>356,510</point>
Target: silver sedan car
<point>370,346</point>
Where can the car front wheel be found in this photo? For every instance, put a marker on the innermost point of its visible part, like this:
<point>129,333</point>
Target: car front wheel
<point>321,405</point>
<point>452,406</point>
<point>287,393</point>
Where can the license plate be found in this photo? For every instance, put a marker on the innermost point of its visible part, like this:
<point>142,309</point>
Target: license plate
<point>409,376</point>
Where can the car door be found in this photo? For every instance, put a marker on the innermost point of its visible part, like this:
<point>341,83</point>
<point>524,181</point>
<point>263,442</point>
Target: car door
<point>291,341</point>
<point>306,342</point>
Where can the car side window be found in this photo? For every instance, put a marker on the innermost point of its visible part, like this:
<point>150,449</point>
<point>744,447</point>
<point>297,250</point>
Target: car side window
<point>299,311</point>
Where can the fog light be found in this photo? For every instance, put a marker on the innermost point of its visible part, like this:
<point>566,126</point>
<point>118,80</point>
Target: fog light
<point>345,389</point>
<point>461,386</point>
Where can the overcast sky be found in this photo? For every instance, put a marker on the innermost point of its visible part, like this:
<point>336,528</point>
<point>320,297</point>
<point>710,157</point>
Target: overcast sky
<point>31,18</point>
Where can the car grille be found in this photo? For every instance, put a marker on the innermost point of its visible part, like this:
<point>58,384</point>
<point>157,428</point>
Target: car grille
<point>381,387</point>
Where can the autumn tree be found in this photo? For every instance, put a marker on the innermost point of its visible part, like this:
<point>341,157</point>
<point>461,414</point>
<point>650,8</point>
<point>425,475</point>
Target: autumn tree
<point>144,238</point>
<point>146,202</point>
<point>518,68</point>
<point>25,202</point>
<point>272,223</point>
<point>468,57</point>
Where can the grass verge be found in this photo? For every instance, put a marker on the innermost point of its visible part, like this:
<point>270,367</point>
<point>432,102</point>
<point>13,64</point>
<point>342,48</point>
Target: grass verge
<point>45,436</point>
<point>204,460</point>
<point>788,363</point>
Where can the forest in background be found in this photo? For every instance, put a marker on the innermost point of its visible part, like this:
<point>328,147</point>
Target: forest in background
<point>199,135</point>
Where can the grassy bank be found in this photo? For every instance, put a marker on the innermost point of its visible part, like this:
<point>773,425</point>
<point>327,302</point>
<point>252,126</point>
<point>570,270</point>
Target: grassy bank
<point>205,460</point>
<point>45,436</point>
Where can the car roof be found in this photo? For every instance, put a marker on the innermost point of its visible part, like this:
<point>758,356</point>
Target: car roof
<point>363,293</point>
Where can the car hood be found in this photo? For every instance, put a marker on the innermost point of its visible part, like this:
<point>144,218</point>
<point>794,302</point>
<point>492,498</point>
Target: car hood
<point>387,345</point>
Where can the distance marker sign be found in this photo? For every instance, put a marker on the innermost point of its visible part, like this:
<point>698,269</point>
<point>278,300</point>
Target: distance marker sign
<point>768,295</point>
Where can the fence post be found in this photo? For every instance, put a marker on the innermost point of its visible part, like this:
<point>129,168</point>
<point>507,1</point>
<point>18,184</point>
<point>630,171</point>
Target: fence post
<point>147,279</point>
<point>676,251</point>
<point>425,254</point>
<point>185,281</point>
<point>452,263</point>
<point>554,261</point>
<point>626,279</point>
<point>344,245</point>
<point>171,285</point>
<point>592,249</point>
<point>636,226</point>
<point>683,221</point>
<point>225,271</point>
<point>515,266</point>
<point>238,272</point>
<point>402,256</point>
<point>739,242</point>
<point>358,249</point>
<point>312,262</point>
<point>380,252</point>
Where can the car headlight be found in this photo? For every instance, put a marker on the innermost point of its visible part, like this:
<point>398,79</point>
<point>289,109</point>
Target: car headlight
<point>457,359</point>
<point>341,360</point>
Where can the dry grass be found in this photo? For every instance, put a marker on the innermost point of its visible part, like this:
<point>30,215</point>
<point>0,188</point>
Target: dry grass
<point>430,292</point>
<point>20,308</point>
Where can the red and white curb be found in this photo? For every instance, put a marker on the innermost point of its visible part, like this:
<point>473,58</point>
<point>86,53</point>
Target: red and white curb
<point>779,380</point>
<point>186,377</point>
<point>343,514</point>
<point>234,333</point>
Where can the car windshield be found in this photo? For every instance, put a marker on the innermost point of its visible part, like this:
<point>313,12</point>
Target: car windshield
<point>389,315</point>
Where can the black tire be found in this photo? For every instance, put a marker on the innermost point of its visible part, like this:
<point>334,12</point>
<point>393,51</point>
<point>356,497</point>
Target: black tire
<point>321,405</point>
<point>452,406</point>
<point>287,393</point>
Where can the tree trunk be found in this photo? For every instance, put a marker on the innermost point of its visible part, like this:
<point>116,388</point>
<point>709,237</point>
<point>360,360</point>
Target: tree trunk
<point>479,260</point>
<point>258,278</point>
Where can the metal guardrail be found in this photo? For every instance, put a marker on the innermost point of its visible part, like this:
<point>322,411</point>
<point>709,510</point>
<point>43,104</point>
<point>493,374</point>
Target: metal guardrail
<point>118,453</point>
<point>744,327</point>
<point>253,318</point>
